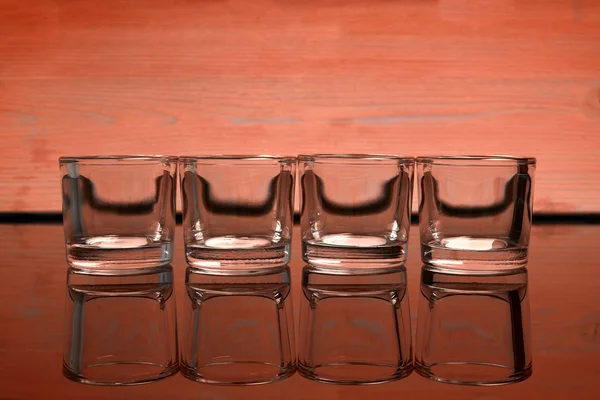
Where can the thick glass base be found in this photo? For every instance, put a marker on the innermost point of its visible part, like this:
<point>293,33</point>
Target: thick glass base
<point>118,255</point>
<point>479,255</point>
<point>352,251</point>
<point>235,255</point>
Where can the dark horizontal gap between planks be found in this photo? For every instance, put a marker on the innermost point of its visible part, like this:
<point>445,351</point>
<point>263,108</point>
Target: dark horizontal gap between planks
<point>538,219</point>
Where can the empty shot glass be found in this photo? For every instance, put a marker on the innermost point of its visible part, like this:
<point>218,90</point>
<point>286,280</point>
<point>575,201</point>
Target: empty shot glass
<point>237,212</point>
<point>118,212</point>
<point>475,211</point>
<point>355,209</point>
<point>238,330</point>
<point>120,329</point>
<point>474,329</point>
<point>355,328</point>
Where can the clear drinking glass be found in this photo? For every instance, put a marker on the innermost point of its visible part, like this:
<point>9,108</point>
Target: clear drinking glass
<point>118,211</point>
<point>237,211</point>
<point>238,330</point>
<point>355,328</point>
<point>474,329</point>
<point>120,329</point>
<point>355,209</point>
<point>475,211</point>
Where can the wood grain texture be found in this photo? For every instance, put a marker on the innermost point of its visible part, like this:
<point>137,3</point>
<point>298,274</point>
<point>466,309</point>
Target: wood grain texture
<point>289,76</point>
<point>564,288</point>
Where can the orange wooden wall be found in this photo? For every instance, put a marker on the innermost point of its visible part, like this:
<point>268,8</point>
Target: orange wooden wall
<point>296,76</point>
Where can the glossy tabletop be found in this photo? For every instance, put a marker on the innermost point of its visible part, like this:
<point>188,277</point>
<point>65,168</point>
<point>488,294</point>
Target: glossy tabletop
<point>564,284</point>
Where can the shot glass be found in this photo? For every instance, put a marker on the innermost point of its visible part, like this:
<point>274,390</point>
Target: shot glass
<point>475,211</point>
<point>120,329</point>
<point>238,330</point>
<point>355,329</point>
<point>474,329</point>
<point>237,212</point>
<point>355,209</point>
<point>118,212</point>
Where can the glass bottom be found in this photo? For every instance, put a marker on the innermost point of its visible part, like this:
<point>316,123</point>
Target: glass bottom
<point>480,254</point>
<point>238,372</point>
<point>355,373</point>
<point>120,373</point>
<point>237,253</point>
<point>116,255</point>
<point>472,373</point>
<point>350,251</point>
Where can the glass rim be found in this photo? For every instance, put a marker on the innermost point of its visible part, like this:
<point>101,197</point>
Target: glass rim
<point>346,158</point>
<point>476,160</point>
<point>236,158</point>
<point>116,159</point>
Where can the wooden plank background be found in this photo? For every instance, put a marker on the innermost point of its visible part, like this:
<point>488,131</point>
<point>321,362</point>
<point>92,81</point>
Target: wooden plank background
<point>292,76</point>
<point>564,292</point>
